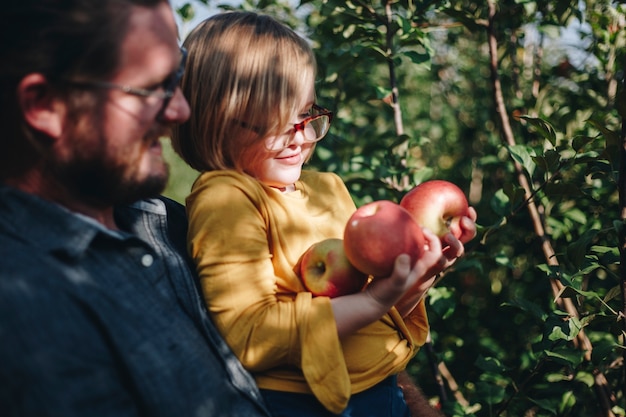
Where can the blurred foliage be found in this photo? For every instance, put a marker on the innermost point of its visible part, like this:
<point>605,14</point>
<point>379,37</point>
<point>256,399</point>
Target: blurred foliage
<point>182,175</point>
<point>496,324</point>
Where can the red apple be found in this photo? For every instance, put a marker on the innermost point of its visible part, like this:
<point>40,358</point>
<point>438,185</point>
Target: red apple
<point>438,206</point>
<point>325,270</point>
<point>377,233</point>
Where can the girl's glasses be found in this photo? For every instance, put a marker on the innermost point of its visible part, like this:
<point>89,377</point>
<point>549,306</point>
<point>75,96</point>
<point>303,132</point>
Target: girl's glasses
<point>313,128</point>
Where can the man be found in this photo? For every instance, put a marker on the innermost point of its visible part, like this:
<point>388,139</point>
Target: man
<point>99,313</point>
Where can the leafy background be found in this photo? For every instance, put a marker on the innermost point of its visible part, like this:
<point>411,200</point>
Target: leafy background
<point>520,103</point>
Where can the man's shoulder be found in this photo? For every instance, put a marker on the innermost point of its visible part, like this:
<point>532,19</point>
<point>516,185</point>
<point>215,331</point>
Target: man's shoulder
<point>33,289</point>
<point>157,205</point>
<point>161,206</point>
<point>20,258</point>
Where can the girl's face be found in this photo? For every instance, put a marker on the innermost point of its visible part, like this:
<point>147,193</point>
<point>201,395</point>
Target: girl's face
<point>279,159</point>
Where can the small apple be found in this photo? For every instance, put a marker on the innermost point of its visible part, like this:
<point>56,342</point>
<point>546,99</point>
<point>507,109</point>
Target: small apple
<point>377,233</point>
<point>437,205</point>
<point>325,270</point>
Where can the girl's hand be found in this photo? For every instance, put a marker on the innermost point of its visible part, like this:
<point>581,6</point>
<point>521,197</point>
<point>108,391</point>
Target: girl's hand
<point>407,284</point>
<point>389,291</point>
<point>468,226</point>
<point>355,311</point>
<point>435,260</point>
<point>453,248</point>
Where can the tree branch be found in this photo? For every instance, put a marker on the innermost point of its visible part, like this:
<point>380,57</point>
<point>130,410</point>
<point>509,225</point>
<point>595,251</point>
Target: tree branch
<point>583,341</point>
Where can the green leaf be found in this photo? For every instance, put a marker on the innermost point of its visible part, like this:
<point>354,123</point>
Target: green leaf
<point>618,225</point>
<point>603,350</point>
<point>522,154</point>
<point>568,401</point>
<point>566,331</point>
<point>557,377</point>
<point>579,142</point>
<point>549,161</point>
<point>528,306</point>
<point>586,270</point>
<point>562,189</point>
<point>613,293</point>
<point>422,175</point>
<point>515,193</point>
<point>490,365</point>
<point>465,17</point>
<point>545,404</point>
<point>500,203</point>
<point>565,356</point>
<point>544,128</point>
<point>490,393</point>
<point>382,92</point>
<point>348,31</point>
<point>503,259</point>
<point>441,301</point>
<point>551,271</point>
<point>576,215</point>
<point>577,250</point>
<point>586,378</point>
<point>422,59</point>
<point>612,138</point>
<point>186,12</point>
<point>591,156</point>
<point>571,292</point>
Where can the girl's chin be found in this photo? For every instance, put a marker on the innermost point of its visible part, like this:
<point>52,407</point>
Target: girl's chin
<point>281,176</point>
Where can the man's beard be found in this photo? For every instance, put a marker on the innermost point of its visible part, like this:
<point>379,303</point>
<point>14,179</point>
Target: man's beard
<point>103,185</point>
<point>95,177</point>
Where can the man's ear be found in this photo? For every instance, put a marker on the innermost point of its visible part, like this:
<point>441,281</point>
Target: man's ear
<point>42,110</point>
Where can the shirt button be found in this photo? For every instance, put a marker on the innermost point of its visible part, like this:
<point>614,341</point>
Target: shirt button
<point>147,260</point>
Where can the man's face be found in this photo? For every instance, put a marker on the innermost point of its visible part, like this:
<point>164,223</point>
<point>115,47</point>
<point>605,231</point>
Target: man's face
<point>114,156</point>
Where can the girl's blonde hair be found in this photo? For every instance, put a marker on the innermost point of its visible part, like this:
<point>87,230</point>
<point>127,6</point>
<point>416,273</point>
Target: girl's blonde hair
<point>245,77</point>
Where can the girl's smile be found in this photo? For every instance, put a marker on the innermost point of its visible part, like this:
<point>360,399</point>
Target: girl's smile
<point>290,158</point>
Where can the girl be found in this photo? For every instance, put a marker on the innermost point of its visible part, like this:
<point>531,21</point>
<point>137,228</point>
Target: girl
<point>253,212</point>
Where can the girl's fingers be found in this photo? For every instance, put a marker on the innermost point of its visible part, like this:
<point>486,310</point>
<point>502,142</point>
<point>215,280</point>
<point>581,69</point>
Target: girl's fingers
<point>454,247</point>
<point>468,226</point>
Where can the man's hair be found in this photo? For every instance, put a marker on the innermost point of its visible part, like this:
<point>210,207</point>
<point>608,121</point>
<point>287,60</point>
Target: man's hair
<point>245,77</point>
<point>62,40</point>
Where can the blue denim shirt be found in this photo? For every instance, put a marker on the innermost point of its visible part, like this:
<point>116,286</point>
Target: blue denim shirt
<point>102,323</point>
